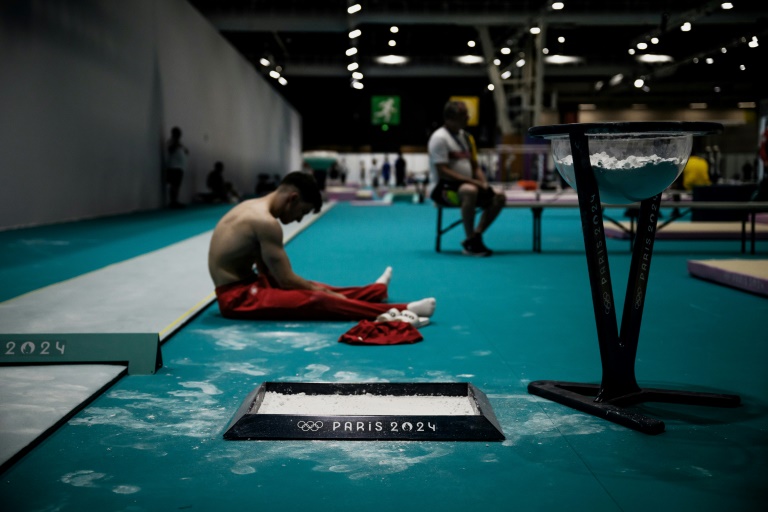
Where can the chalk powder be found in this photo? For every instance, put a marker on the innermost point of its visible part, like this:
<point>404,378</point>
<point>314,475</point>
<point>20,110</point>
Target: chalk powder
<point>626,181</point>
<point>301,404</point>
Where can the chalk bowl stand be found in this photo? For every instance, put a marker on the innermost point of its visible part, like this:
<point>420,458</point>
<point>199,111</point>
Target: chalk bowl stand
<point>648,156</point>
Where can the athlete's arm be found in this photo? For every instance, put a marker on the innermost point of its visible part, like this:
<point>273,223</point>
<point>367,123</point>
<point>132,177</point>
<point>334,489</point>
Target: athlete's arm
<point>276,260</point>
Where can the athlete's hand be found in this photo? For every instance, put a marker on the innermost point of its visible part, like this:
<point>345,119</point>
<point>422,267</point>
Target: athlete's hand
<point>335,294</point>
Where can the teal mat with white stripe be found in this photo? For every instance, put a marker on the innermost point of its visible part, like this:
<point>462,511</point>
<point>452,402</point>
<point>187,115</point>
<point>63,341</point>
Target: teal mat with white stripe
<point>155,442</point>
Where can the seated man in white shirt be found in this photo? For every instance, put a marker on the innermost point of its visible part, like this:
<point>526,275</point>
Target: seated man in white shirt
<point>453,158</point>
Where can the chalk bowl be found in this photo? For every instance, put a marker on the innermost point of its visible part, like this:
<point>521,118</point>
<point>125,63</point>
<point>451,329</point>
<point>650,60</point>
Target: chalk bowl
<point>628,167</point>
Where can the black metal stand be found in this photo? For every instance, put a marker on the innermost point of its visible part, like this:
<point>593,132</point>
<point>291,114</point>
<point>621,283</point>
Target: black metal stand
<point>618,389</point>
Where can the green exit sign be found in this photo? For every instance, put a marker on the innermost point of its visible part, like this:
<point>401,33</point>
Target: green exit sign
<point>385,110</point>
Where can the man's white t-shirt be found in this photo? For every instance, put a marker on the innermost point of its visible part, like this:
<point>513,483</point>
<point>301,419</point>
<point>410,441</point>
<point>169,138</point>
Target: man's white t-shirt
<point>454,150</point>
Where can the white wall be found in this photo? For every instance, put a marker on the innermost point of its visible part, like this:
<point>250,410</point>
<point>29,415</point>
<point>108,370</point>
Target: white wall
<point>89,93</point>
<point>414,163</point>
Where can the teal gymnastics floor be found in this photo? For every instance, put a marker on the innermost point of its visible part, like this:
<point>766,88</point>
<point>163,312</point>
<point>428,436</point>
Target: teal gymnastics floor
<point>154,442</point>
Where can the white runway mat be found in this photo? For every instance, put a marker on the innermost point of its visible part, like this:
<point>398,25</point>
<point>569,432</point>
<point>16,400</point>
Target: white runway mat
<point>156,292</point>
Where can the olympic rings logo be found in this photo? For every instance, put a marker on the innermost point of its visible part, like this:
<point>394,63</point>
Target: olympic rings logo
<point>309,426</point>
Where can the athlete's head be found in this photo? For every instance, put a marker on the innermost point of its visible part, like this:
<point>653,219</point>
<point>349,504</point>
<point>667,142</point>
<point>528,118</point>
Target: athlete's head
<point>305,184</point>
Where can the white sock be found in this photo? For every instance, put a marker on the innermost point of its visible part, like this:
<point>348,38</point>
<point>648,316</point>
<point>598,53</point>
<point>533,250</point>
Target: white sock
<point>423,307</point>
<point>385,277</point>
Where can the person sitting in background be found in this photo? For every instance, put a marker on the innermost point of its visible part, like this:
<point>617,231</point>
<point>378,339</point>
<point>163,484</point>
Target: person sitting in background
<point>221,191</point>
<point>266,184</point>
<point>696,173</point>
<point>453,158</point>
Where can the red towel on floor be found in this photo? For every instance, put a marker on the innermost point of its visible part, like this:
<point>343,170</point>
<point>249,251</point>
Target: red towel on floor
<point>381,333</point>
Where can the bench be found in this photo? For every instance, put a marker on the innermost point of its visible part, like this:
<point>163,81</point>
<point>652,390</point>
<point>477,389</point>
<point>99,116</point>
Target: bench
<point>746,212</point>
<point>537,207</point>
<point>749,211</point>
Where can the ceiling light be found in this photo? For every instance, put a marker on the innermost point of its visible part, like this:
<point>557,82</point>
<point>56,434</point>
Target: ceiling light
<point>496,62</point>
<point>655,40</point>
<point>355,33</point>
<point>561,39</point>
<point>631,51</point>
<point>650,58</point>
<point>506,51</point>
<point>351,51</point>
<point>753,43</point>
<point>391,59</point>
<point>742,67</point>
<point>392,42</point>
<point>471,44</point>
<point>353,66</point>
<point>394,29</point>
<point>685,27</point>
<point>642,46</point>
<point>354,8</point>
<point>726,5</point>
<point>599,85</point>
<point>562,59</point>
<point>535,30</point>
<point>264,62</point>
<point>506,75</point>
<point>274,74</point>
<point>710,60</point>
<point>282,81</point>
<point>520,63</point>
<point>616,79</point>
<point>469,59</point>
<point>357,85</point>
<point>639,83</point>
<point>717,89</point>
<point>545,51</point>
<point>357,75</point>
<point>490,87</point>
<point>557,5</point>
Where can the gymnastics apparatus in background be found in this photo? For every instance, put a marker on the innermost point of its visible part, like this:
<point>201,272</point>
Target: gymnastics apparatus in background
<point>621,163</point>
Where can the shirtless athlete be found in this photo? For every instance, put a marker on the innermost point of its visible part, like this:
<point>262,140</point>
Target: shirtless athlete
<point>253,276</point>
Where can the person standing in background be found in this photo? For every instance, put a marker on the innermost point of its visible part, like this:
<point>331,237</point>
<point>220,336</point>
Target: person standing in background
<point>374,174</point>
<point>176,164</point>
<point>386,171</point>
<point>400,170</point>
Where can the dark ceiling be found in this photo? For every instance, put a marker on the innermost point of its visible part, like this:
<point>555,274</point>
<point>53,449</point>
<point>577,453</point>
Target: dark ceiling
<point>308,39</point>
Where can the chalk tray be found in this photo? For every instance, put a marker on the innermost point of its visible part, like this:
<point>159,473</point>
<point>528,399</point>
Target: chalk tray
<point>249,424</point>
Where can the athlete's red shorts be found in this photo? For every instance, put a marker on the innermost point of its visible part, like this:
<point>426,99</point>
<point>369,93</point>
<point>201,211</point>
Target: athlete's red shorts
<point>258,299</point>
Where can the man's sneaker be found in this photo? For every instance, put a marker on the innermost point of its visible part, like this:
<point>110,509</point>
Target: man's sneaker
<point>475,247</point>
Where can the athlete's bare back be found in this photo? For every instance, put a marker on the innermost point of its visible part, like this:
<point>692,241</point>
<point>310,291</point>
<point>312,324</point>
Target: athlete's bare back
<point>235,244</point>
